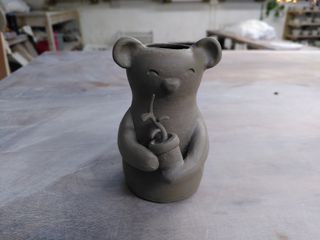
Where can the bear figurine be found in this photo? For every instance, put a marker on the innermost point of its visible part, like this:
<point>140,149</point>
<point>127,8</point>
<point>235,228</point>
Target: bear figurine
<point>162,137</point>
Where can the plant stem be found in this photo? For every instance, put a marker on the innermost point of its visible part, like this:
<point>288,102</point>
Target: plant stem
<point>164,133</point>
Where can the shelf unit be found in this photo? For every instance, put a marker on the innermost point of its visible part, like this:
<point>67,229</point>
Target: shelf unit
<point>303,25</point>
<point>18,39</point>
<point>47,20</point>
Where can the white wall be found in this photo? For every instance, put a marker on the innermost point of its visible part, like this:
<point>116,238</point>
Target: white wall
<point>169,22</point>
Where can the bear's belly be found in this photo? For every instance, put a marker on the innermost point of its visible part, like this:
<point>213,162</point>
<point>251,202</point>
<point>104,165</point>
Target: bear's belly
<point>182,123</point>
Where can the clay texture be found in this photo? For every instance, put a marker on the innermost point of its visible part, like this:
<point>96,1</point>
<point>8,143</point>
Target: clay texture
<point>162,137</point>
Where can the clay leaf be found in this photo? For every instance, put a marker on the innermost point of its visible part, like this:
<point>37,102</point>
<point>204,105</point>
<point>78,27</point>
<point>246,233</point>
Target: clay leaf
<point>164,118</point>
<point>154,133</point>
<point>146,116</point>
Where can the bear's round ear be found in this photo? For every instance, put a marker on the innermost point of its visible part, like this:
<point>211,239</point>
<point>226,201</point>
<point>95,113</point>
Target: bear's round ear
<point>212,51</point>
<point>124,49</point>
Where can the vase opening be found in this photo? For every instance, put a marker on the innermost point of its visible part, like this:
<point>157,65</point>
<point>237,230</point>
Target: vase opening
<point>169,46</point>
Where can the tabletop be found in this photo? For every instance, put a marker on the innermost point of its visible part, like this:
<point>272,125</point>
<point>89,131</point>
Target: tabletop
<point>61,171</point>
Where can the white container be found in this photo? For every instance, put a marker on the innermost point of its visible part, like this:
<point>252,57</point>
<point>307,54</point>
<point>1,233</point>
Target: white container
<point>305,32</point>
<point>37,4</point>
<point>296,32</point>
<point>317,43</point>
<point>315,32</point>
<point>296,21</point>
<point>309,20</point>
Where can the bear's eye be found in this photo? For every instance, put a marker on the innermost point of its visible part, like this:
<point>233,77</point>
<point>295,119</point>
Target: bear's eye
<point>191,70</point>
<point>153,72</point>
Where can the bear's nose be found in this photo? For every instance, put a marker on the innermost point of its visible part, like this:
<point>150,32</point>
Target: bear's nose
<point>171,84</point>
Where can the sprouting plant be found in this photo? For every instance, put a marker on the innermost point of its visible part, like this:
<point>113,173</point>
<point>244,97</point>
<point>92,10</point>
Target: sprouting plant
<point>160,129</point>
<point>274,6</point>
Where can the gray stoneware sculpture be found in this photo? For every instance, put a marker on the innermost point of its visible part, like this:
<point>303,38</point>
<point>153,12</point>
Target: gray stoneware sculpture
<point>162,137</point>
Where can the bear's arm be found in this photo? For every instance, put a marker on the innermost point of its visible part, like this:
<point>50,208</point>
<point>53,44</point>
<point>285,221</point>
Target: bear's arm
<point>133,153</point>
<point>196,155</point>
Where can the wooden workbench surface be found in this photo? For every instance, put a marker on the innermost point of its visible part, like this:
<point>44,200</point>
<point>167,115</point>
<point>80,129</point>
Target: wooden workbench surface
<point>61,174</point>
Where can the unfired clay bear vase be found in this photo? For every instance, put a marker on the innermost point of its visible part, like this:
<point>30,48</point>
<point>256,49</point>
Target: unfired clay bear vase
<point>162,137</point>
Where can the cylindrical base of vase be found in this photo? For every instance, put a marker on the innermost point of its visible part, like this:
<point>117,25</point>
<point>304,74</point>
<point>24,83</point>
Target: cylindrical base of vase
<point>153,187</point>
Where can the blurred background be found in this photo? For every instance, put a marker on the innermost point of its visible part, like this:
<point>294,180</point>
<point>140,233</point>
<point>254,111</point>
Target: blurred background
<point>31,27</point>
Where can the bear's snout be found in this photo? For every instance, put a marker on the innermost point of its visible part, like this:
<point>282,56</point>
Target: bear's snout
<point>171,84</point>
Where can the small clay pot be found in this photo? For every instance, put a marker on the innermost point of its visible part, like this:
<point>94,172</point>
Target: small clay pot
<point>168,152</point>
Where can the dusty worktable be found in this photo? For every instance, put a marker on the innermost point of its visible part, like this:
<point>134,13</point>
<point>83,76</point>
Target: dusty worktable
<point>60,170</point>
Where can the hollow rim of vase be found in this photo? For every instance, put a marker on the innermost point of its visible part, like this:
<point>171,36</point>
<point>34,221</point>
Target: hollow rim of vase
<point>172,46</point>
